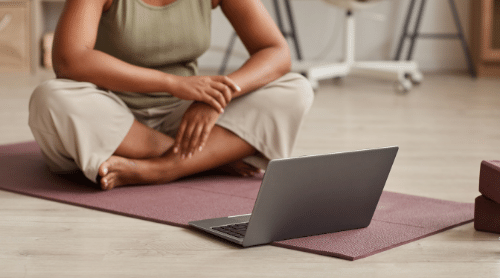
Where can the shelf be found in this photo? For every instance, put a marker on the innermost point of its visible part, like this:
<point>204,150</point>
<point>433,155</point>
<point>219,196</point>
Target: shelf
<point>44,20</point>
<point>495,40</point>
<point>485,36</point>
<point>15,52</point>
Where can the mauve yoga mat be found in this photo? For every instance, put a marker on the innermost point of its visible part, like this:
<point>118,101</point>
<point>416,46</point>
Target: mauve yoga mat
<point>399,218</point>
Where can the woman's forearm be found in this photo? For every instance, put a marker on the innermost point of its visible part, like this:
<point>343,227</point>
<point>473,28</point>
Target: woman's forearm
<point>269,52</point>
<point>111,73</point>
<point>261,68</point>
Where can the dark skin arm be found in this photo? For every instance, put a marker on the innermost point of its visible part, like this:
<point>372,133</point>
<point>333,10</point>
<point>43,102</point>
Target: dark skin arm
<point>74,57</point>
<point>269,60</point>
<point>268,49</point>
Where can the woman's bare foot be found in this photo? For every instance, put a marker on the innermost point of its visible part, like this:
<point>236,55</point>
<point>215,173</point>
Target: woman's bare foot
<point>223,146</point>
<point>240,168</point>
<point>117,171</point>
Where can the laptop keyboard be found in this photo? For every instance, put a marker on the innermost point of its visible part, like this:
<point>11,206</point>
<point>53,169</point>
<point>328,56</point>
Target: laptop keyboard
<point>236,230</point>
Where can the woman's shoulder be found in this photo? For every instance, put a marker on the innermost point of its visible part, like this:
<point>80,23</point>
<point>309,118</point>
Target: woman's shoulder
<point>102,4</point>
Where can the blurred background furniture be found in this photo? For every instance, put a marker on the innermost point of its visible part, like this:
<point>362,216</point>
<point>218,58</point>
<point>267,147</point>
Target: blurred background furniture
<point>15,36</point>
<point>413,36</point>
<point>42,20</point>
<point>485,36</point>
<point>404,73</point>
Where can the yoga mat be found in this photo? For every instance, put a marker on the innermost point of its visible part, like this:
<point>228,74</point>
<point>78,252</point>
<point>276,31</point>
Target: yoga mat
<point>398,219</point>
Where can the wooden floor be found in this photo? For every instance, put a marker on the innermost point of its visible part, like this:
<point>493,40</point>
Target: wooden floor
<point>444,128</point>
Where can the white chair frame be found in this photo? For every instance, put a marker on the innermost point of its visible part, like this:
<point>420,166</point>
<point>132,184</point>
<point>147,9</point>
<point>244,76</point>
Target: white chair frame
<point>404,73</point>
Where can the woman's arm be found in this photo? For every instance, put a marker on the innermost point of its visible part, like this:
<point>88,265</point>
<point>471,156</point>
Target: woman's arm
<point>269,60</point>
<point>269,52</point>
<point>74,57</point>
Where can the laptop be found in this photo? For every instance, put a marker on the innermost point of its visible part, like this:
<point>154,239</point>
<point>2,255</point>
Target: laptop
<point>310,195</point>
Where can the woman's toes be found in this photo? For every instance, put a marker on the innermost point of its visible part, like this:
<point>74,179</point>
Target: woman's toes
<point>109,182</point>
<point>104,169</point>
<point>105,183</point>
<point>241,168</point>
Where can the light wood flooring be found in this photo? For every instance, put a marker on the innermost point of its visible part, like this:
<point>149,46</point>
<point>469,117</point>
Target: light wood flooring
<point>444,128</point>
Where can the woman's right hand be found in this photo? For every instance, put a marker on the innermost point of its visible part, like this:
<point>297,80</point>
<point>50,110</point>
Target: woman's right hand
<point>216,91</point>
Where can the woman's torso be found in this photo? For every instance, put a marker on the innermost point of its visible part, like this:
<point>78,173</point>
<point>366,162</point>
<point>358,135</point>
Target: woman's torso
<point>169,38</point>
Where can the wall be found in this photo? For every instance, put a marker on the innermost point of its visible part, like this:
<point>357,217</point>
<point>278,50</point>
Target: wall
<point>320,31</point>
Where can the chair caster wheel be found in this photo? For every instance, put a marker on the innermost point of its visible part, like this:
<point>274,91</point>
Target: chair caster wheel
<point>314,84</point>
<point>403,86</point>
<point>416,77</point>
<point>337,80</point>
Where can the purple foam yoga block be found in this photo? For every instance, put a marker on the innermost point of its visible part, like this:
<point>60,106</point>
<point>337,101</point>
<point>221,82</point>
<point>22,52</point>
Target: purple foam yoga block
<point>489,179</point>
<point>487,215</point>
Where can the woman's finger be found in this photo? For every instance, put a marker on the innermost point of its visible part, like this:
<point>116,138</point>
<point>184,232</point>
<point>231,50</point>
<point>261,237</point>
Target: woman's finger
<point>195,139</point>
<point>204,137</point>
<point>208,99</point>
<point>224,89</point>
<point>218,96</point>
<point>186,140</point>
<point>230,83</point>
<point>180,135</point>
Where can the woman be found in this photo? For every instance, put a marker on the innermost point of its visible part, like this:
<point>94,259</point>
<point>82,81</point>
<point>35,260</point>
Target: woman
<point>128,108</point>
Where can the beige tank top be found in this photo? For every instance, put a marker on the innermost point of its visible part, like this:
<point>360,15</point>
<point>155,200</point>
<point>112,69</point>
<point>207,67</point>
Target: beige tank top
<point>168,38</point>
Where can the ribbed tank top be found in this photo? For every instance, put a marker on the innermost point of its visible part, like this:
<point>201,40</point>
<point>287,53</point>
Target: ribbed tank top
<point>168,38</point>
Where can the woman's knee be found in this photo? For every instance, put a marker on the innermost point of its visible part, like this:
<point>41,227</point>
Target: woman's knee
<point>295,94</point>
<point>51,99</point>
<point>302,92</point>
<point>39,101</point>
<point>44,96</point>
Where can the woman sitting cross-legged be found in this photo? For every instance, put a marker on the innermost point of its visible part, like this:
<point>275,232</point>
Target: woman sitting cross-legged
<point>127,106</point>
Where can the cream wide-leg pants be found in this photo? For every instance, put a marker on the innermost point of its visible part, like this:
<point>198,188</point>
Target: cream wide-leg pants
<point>79,126</point>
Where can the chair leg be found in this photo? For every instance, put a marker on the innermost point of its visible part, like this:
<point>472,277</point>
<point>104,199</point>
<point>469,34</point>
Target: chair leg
<point>335,70</point>
<point>405,30</point>
<point>293,34</point>
<point>277,11</point>
<point>227,54</point>
<point>415,34</point>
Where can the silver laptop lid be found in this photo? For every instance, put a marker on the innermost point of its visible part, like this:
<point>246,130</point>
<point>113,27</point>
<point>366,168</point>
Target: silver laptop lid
<point>319,194</point>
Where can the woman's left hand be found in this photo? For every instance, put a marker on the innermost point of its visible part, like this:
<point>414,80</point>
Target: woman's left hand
<point>196,125</point>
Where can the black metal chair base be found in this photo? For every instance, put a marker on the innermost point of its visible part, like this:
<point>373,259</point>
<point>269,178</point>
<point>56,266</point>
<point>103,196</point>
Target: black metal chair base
<point>417,35</point>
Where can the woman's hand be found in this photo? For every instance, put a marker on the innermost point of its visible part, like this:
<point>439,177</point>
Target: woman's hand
<point>216,91</point>
<point>196,125</point>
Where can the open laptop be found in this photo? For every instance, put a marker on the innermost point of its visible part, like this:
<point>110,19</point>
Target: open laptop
<point>310,195</point>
